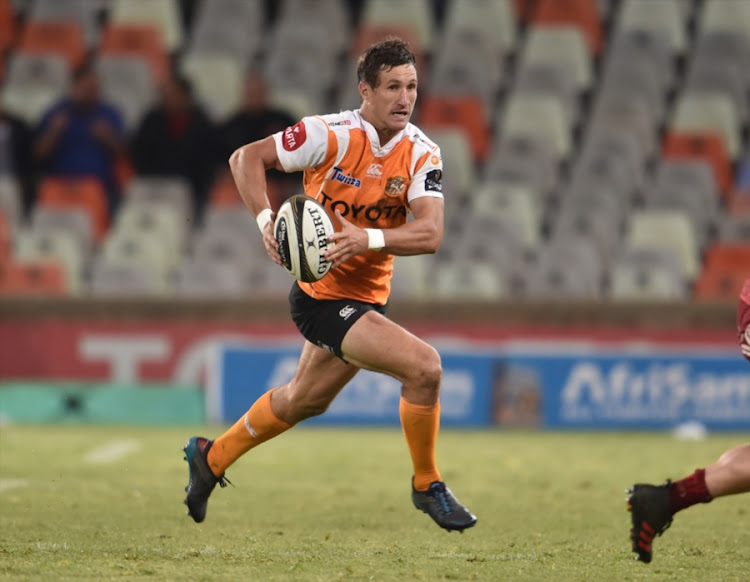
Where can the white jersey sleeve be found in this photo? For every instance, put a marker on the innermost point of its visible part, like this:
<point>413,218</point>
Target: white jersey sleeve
<point>302,145</point>
<point>427,179</point>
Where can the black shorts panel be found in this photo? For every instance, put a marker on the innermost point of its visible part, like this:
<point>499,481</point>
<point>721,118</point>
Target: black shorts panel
<point>325,322</point>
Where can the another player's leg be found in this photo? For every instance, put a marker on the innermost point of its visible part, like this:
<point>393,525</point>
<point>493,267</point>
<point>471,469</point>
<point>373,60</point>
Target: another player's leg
<point>653,506</point>
<point>320,377</point>
<point>375,343</point>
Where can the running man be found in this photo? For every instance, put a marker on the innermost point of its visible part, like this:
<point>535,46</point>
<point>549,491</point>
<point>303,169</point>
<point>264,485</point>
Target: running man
<point>370,168</point>
<point>652,506</point>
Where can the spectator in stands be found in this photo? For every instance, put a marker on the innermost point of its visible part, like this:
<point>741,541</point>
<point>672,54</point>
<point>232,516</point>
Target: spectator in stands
<point>82,135</point>
<point>15,153</point>
<point>176,138</point>
<point>653,506</point>
<point>256,119</point>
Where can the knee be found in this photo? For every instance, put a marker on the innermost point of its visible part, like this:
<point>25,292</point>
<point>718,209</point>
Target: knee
<point>428,369</point>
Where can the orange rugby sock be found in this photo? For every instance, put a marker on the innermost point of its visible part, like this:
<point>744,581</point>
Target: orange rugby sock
<point>256,426</point>
<point>421,425</point>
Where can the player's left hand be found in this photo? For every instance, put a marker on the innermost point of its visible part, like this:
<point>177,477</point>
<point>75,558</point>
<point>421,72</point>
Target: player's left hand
<point>349,242</point>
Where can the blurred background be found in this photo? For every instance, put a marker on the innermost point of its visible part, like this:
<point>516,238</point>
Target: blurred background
<point>597,186</point>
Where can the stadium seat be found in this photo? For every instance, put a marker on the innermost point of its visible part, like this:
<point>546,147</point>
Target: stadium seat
<point>84,193</point>
<point>636,78</point>
<point>458,162</point>
<point>115,278</point>
<point>708,147</point>
<point>466,64</point>
<point>550,80</point>
<point>493,19</point>
<point>728,256</point>
<point>734,228</point>
<point>722,79</point>
<point>728,47</point>
<point>39,277</point>
<point>559,46</point>
<point>417,13</point>
<point>494,238</point>
<point>600,166</point>
<point>647,48</point>
<point>229,27</point>
<point>52,244</point>
<point>6,240</point>
<point>668,229</point>
<point>136,40</point>
<point>724,16</point>
<point>646,275</point>
<point>33,83</point>
<point>665,17</point>
<point>457,111</point>
<point>224,194</point>
<point>698,112</point>
<point>238,221</point>
<point>84,12</point>
<point>125,247</point>
<point>583,14</point>
<point>738,203</point>
<point>602,226</point>
<point>269,281</point>
<point>156,220</point>
<point>8,27</point>
<point>162,14</point>
<point>10,200</point>
<point>217,80</point>
<point>128,83</point>
<point>515,201</point>
<point>618,143</point>
<point>411,276</point>
<point>173,192</point>
<point>76,221</point>
<point>367,33</point>
<point>226,248</point>
<point>622,112</point>
<point>64,38</point>
<point>524,159</point>
<point>559,275</point>
<point>208,279</point>
<point>330,18</point>
<point>468,281</point>
<point>541,116</point>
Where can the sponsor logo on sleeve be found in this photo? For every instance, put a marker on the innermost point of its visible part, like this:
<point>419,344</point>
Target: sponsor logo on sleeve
<point>432,181</point>
<point>294,136</point>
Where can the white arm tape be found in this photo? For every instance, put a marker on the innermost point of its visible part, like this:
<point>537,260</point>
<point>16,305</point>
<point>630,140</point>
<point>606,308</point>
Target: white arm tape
<point>376,239</point>
<point>263,218</point>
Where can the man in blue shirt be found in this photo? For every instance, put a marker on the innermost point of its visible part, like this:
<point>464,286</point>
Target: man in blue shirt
<point>82,136</point>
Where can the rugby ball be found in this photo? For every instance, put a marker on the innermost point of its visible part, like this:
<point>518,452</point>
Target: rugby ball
<point>302,228</point>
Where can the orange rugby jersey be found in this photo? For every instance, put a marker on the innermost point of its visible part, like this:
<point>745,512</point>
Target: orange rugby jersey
<point>346,169</point>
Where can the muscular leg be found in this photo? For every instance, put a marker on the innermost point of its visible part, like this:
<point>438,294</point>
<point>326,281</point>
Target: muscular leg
<point>319,378</point>
<point>730,473</point>
<point>376,343</point>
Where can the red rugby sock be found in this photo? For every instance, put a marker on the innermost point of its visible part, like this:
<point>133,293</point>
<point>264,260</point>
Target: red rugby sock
<point>689,491</point>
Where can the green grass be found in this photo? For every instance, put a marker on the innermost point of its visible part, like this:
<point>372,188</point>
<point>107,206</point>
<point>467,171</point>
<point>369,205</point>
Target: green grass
<point>326,505</point>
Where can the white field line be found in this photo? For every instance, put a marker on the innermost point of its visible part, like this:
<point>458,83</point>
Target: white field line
<point>113,451</point>
<point>6,484</point>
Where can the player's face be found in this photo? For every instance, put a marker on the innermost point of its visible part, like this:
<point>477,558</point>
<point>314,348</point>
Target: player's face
<point>389,105</point>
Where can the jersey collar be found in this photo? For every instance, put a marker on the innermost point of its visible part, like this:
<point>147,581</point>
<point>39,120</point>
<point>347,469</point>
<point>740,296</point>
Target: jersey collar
<point>372,134</point>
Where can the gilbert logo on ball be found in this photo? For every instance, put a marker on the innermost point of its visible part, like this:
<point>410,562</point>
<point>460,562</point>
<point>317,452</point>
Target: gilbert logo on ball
<point>302,228</point>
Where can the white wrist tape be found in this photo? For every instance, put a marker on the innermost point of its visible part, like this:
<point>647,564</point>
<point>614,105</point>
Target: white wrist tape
<point>376,239</point>
<point>263,218</point>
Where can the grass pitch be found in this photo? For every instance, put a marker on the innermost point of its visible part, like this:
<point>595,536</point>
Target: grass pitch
<point>104,503</point>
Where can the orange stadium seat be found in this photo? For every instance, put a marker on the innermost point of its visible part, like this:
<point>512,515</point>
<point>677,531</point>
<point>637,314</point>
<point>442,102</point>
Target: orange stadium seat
<point>701,146</point>
<point>65,38</point>
<point>143,40</point>
<point>728,257</point>
<point>224,193</point>
<point>718,285</point>
<point>458,111</point>
<point>33,277</point>
<point>85,193</point>
<point>6,240</point>
<point>7,26</point>
<point>583,14</point>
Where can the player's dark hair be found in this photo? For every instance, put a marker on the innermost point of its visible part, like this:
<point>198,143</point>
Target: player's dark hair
<point>383,56</point>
